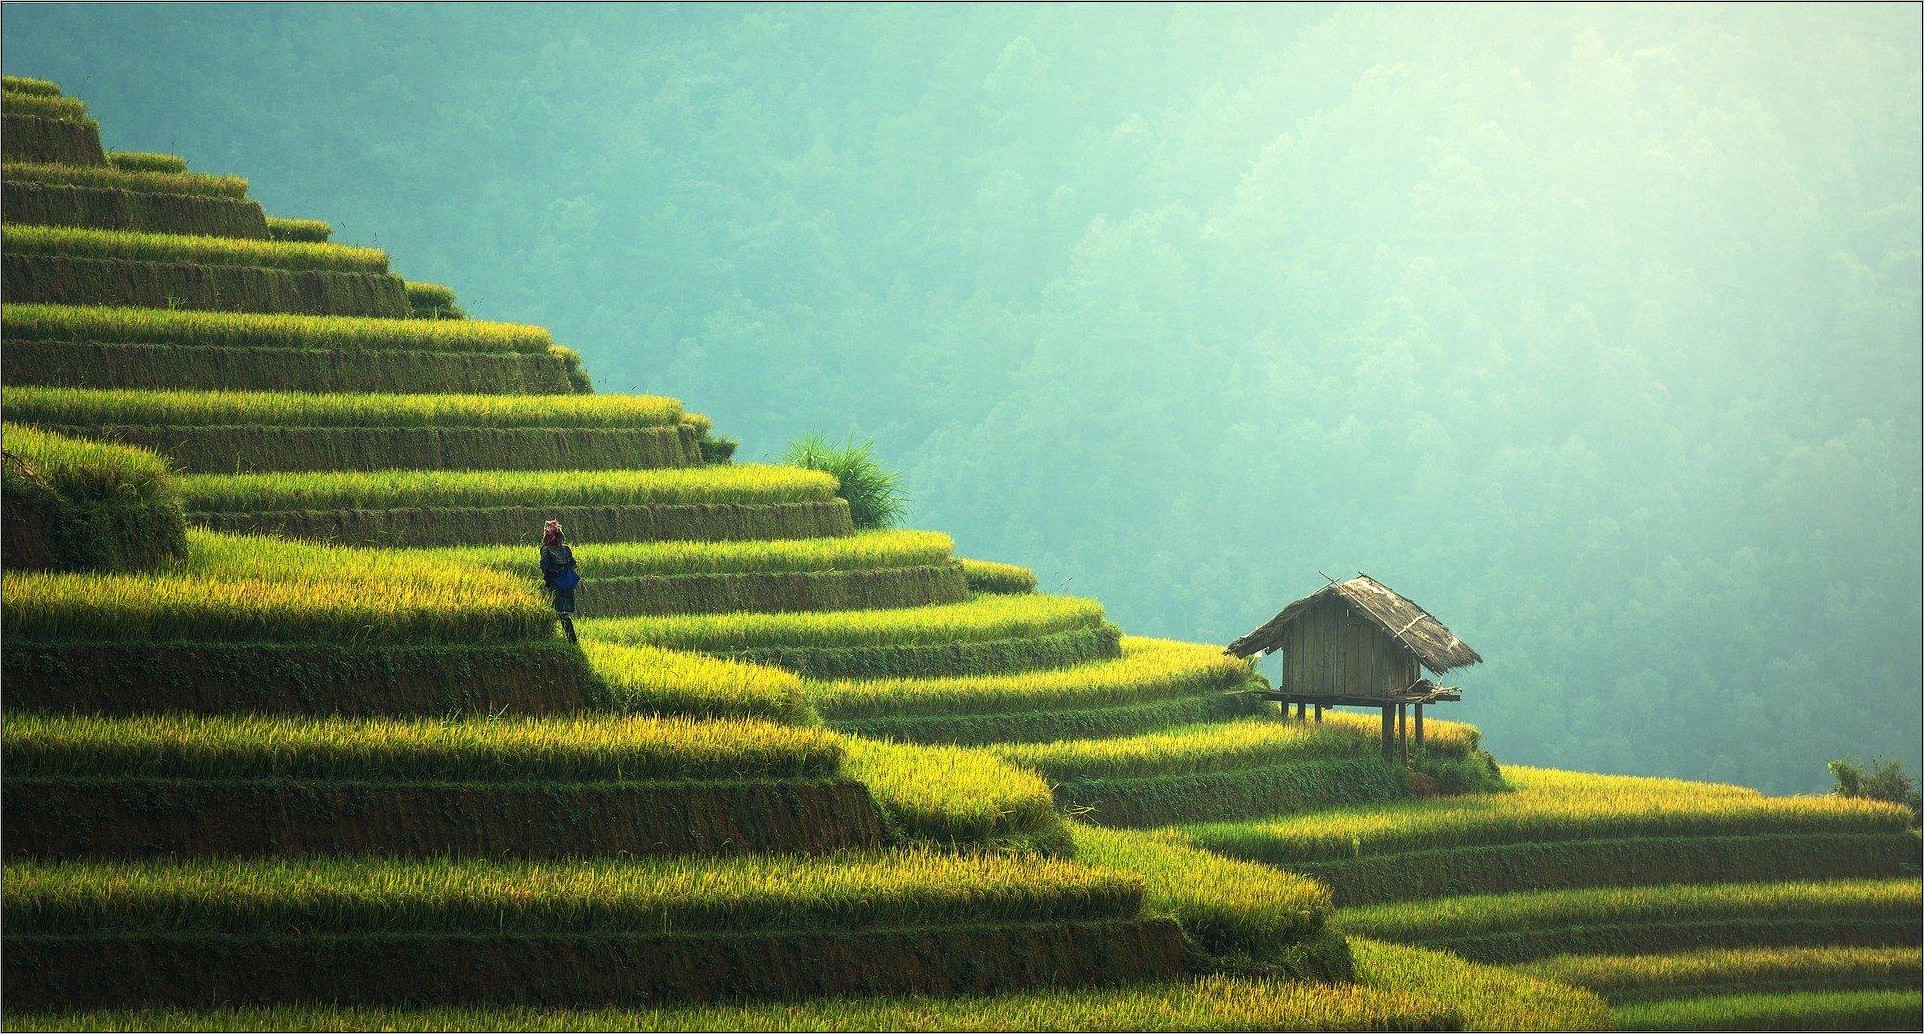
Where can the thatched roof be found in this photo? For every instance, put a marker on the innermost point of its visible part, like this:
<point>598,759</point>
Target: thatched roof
<point>1437,647</point>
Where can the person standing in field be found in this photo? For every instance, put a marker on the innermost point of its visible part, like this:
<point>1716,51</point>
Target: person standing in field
<point>558,574</point>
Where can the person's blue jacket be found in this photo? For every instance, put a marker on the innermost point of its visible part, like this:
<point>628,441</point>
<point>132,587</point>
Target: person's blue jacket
<point>554,560</point>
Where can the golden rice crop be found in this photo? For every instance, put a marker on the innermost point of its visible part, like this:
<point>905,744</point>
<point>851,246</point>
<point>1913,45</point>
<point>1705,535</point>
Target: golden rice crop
<point>1547,804</point>
<point>649,680</point>
<point>990,576</point>
<point>1806,1010</point>
<point>570,749</point>
<point>146,161</point>
<point>333,490</point>
<point>114,324</point>
<point>424,295</point>
<point>1484,914</point>
<point>862,551</point>
<point>29,84</point>
<point>1486,997</point>
<point>108,177</point>
<point>84,407</point>
<point>680,896</point>
<point>313,231</point>
<point>1211,747</point>
<point>980,619</point>
<point>89,472</point>
<point>1625,978</point>
<point>1204,1003</point>
<point>1231,907</point>
<point>955,795</point>
<point>1148,669</point>
<point>167,247</point>
<point>234,588</point>
<point>42,105</point>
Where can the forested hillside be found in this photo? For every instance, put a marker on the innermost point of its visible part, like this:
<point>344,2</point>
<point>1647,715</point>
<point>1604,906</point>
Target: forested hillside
<point>1595,330</point>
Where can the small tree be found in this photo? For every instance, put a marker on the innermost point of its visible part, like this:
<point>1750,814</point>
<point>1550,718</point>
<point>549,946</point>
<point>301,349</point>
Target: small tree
<point>1884,782</point>
<point>874,492</point>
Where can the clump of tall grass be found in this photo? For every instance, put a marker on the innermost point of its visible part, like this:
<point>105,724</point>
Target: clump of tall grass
<point>387,489</point>
<point>146,161</point>
<point>682,896</point>
<point>989,576</point>
<point>648,680</point>
<point>1231,907</point>
<point>29,84</point>
<point>121,179</point>
<point>77,505</point>
<point>874,492</point>
<point>43,105</point>
<point>563,749</point>
<point>957,796</point>
<point>311,231</point>
<point>862,551</point>
<point>983,618</point>
<point>85,471</point>
<point>111,324</point>
<point>95,407</point>
<point>85,242</point>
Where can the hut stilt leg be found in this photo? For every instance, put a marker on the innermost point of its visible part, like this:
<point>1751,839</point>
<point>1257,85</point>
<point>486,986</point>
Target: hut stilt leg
<point>1389,734</point>
<point>1403,732</point>
<point>1319,712</point>
<point>1419,727</point>
<point>1300,710</point>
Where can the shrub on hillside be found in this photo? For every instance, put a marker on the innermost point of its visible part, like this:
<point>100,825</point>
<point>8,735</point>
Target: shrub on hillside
<point>874,492</point>
<point>1884,782</point>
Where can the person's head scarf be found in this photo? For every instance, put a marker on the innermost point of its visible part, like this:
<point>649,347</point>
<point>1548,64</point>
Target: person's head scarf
<point>551,533</point>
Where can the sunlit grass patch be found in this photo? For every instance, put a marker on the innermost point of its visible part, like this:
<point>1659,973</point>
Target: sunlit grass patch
<point>649,680</point>
<point>1692,974</point>
<point>84,406</point>
<point>167,247</point>
<point>1805,1010</point>
<point>1149,669</point>
<point>957,796</point>
<point>990,576</point>
<point>312,231</point>
<point>1486,997</point>
<point>558,749</point>
<point>735,483</point>
<point>1194,749</point>
<point>77,505</point>
<point>29,84</point>
<point>1443,921</point>
<point>1230,907</point>
<point>732,895</point>
<point>230,589</point>
<point>122,179</point>
<point>43,105</point>
<point>146,161</point>
<point>1547,804</point>
<point>115,324</point>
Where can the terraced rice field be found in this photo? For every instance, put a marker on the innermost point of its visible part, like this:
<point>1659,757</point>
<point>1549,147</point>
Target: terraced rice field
<point>258,773</point>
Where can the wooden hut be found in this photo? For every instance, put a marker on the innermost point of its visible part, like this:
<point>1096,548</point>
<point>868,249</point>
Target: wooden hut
<point>1360,643</point>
